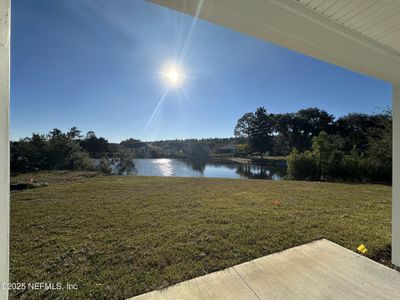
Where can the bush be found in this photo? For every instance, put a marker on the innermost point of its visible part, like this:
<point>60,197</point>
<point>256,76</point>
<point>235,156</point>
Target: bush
<point>55,151</point>
<point>105,166</point>
<point>123,164</point>
<point>302,166</point>
<point>79,160</point>
<point>327,162</point>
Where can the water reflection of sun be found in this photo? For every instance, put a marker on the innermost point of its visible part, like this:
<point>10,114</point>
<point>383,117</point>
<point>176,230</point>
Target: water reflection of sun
<point>165,166</point>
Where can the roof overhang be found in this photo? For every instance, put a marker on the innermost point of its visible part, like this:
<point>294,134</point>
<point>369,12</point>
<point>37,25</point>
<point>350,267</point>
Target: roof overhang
<point>291,25</point>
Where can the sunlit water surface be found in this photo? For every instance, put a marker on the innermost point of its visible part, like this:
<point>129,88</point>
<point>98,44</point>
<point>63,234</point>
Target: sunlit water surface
<point>184,168</point>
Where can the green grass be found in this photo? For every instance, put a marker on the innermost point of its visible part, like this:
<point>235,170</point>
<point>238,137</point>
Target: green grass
<point>52,177</point>
<point>117,237</point>
<point>270,160</point>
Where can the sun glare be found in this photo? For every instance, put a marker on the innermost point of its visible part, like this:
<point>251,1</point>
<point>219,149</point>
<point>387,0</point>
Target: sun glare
<point>173,75</point>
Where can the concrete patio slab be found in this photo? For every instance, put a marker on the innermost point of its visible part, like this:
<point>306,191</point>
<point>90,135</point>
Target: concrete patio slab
<point>318,270</point>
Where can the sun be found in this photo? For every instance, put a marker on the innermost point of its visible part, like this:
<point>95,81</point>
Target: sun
<point>173,75</point>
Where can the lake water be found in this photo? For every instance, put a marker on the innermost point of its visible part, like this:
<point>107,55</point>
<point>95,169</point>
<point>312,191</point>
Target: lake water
<point>218,169</point>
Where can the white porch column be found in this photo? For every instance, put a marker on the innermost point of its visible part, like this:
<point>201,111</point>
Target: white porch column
<point>396,176</point>
<point>5,7</point>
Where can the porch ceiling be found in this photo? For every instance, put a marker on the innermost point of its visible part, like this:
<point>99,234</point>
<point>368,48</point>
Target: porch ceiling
<point>360,35</point>
<point>377,20</point>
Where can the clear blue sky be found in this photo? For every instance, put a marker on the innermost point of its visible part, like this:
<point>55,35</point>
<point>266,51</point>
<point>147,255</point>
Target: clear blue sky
<point>96,65</point>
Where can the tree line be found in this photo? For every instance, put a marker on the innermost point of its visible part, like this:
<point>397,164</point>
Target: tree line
<point>355,147</point>
<point>318,146</point>
<point>73,150</point>
<point>56,151</point>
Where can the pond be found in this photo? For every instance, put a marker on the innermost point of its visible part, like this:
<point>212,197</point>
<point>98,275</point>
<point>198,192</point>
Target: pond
<point>210,168</point>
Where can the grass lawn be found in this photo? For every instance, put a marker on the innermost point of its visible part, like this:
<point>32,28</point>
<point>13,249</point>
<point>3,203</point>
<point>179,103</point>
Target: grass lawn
<point>117,237</point>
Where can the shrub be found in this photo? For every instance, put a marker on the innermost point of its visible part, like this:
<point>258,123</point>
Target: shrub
<point>79,160</point>
<point>54,151</point>
<point>123,164</point>
<point>105,165</point>
<point>302,166</point>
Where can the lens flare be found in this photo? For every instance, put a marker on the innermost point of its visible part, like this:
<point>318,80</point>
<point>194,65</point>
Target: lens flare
<point>173,75</point>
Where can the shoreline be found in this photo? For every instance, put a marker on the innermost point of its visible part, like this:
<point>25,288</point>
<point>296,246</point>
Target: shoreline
<point>259,161</point>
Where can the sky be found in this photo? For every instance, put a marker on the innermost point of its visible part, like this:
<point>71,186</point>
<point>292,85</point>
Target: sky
<point>98,65</point>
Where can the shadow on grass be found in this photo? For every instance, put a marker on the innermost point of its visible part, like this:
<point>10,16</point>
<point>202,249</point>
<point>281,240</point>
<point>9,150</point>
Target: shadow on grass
<point>384,256</point>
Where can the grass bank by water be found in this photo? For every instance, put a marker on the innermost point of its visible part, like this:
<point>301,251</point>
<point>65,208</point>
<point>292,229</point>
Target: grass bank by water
<point>117,237</point>
<point>270,161</point>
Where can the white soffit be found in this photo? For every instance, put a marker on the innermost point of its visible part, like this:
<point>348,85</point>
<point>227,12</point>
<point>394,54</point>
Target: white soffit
<point>377,20</point>
<point>360,35</point>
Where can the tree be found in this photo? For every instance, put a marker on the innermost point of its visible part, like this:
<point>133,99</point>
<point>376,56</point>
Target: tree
<point>54,151</point>
<point>315,121</point>
<point>199,156</point>
<point>355,128</point>
<point>257,128</point>
<point>28,154</point>
<point>302,166</point>
<point>123,164</point>
<point>325,149</point>
<point>260,131</point>
<point>379,154</point>
<point>242,128</point>
<point>74,134</point>
<point>308,123</point>
<point>283,134</point>
<point>93,145</point>
<point>132,143</point>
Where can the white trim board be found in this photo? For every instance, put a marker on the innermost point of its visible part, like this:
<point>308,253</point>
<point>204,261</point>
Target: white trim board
<point>396,176</point>
<point>5,9</point>
<point>293,26</point>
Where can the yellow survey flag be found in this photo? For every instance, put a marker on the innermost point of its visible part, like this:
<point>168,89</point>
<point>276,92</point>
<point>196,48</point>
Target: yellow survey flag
<point>362,249</point>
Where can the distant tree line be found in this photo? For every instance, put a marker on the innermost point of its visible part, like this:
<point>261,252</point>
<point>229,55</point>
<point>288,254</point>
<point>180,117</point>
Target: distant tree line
<point>355,147</point>
<point>57,151</point>
<point>73,151</point>
<point>178,148</point>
